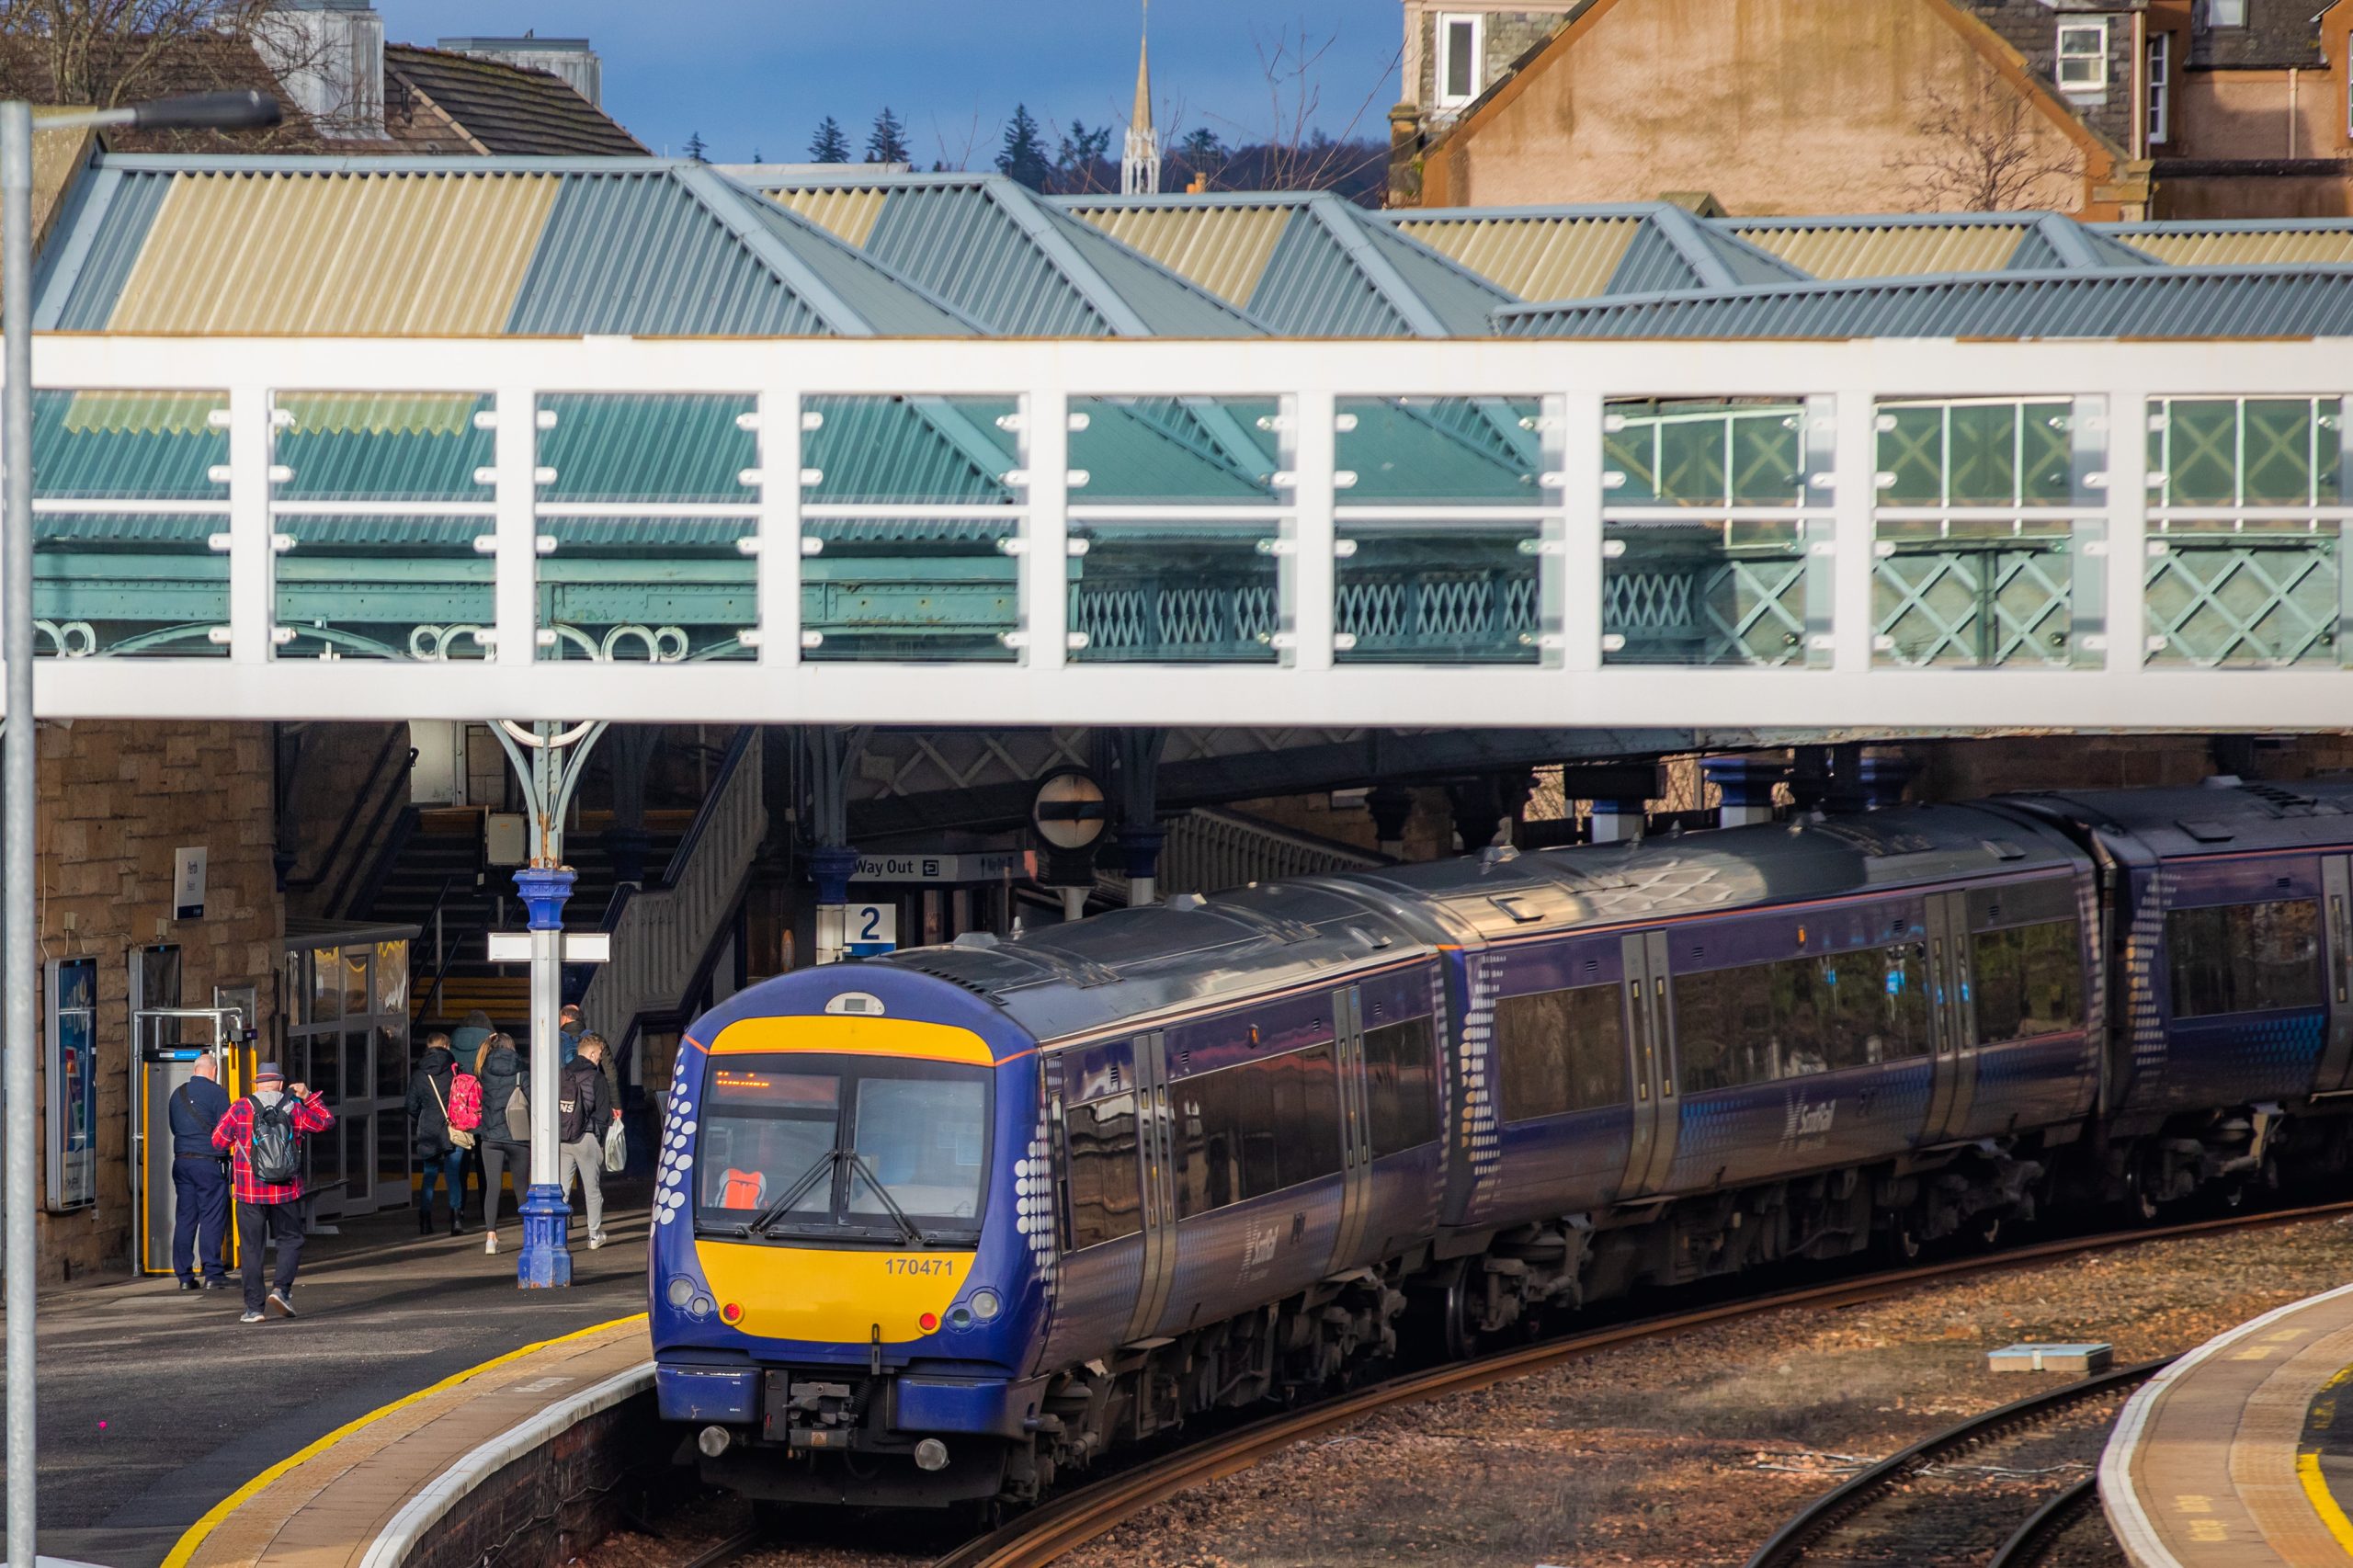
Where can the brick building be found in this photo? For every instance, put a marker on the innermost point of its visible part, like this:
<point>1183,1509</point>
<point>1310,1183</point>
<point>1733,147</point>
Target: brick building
<point>2105,109</point>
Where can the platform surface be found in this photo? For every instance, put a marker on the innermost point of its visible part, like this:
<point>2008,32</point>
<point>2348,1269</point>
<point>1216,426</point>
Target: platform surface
<point>155,1405</point>
<point>2237,1455</point>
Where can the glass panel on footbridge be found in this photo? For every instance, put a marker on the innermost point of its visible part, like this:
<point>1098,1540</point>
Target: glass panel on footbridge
<point>130,520</point>
<point>1176,528</point>
<point>383,516</point>
<point>911,527</point>
<point>2248,511</point>
<point>1444,513</point>
<point>648,514</point>
<point>1988,547</point>
<point>1716,531</point>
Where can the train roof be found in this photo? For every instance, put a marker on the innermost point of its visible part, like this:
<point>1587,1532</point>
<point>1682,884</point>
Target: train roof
<point>1132,965</point>
<point>2220,816</point>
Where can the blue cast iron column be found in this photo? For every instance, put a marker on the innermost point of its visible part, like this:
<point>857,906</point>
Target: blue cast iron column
<point>545,1262</point>
<point>829,866</point>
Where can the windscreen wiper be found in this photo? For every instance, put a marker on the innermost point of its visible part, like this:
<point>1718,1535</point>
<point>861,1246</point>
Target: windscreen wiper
<point>792,1195</point>
<point>907,1228</point>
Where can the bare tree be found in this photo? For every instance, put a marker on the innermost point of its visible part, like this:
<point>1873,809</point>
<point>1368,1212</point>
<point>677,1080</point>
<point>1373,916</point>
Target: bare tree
<point>956,158</point>
<point>1294,152</point>
<point>1980,152</point>
<point>108,52</point>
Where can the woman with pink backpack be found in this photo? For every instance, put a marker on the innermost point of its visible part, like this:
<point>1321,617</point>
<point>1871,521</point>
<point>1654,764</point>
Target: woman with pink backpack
<point>444,1110</point>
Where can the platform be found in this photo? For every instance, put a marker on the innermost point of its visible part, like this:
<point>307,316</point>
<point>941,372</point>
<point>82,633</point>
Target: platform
<point>155,1407</point>
<point>2238,1455</point>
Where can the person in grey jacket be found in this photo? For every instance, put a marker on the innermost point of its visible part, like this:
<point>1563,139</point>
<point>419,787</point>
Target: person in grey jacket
<point>585,1108</point>
<point>505,1135</point>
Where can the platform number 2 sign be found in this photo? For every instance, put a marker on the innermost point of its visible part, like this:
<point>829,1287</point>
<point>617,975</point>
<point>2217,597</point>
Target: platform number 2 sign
<point>871,929</point>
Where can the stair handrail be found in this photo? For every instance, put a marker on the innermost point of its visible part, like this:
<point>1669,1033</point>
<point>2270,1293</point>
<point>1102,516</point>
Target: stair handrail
<point>443,953</point>
<point>339,901</point>
<point>663,938</point>
<point>333,855</point>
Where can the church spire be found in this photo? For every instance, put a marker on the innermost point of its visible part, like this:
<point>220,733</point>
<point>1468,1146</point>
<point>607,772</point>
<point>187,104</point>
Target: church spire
<point>1140,162</point>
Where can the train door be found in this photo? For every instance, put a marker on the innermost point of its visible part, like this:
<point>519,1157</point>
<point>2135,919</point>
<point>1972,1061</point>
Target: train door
<point>1155,1148</point>
<point>1953,1095</point>
<point>1650,1035</point>
<point>2335,1075</point>
<point>1356,1125</point>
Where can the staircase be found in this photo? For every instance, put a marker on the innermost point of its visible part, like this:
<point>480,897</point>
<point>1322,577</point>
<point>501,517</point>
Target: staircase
<point>434,879</point>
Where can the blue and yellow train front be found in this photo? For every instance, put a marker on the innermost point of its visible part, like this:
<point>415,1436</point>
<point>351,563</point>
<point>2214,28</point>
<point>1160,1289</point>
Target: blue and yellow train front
<point>853,1241</point>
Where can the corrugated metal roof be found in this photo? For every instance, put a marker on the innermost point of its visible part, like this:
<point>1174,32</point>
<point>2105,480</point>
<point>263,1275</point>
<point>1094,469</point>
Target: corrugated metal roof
<point>376,449</point>
<point>637,253</point>
<point>1889,249</point>
<point>257,254</point>
<point>888,304</point>
<point>2201,303</point>
<point>2321,242</point>
<point>648,449</point>
<point>169,457</point>
<point>1533,257</point>
<point>1009,260</point>
<point>1223,249</point>
<point>96,243</point>
<point>847,211</point>
<point>1312,289</point>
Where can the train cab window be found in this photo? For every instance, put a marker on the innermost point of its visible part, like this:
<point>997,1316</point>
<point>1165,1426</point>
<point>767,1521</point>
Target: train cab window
<point>1102,1190</point>
<point>2027,981</point>
<point>2244,957</point>
<point>794,1146</point>
<point>1245,1132</point>
<point>1561,1050</point>
<point>1400,1084</point>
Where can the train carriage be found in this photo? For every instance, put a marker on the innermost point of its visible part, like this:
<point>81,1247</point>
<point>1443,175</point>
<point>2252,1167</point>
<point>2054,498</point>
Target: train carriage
<point>935,1226</point>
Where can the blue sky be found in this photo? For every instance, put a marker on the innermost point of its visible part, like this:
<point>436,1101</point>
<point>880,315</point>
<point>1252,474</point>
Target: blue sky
<point>758,73</point>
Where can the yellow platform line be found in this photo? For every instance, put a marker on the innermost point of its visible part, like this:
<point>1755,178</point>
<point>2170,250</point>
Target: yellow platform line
<point>194,1537</point>
<point>2324,1501</point>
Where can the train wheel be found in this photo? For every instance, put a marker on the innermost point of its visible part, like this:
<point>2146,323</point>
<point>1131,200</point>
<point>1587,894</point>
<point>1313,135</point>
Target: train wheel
<point>1462,1335</point>
<point>1899,1243</point>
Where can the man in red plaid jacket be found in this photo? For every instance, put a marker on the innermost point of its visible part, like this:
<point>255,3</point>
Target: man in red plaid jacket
<point>266,1208</point>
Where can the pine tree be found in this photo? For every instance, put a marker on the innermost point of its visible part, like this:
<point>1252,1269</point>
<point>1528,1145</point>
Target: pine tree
<point>1022,158</point>
<point>887,142</point>
<point>829,146</point>
<point>756,156</point>
<point>1201,148</point>
<point>1075,161</point>
<point>695,147</point>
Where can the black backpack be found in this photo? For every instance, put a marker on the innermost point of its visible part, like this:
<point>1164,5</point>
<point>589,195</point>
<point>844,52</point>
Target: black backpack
<point>275,1154</point>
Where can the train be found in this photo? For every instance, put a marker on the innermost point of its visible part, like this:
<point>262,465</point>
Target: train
<point>934,1229</point>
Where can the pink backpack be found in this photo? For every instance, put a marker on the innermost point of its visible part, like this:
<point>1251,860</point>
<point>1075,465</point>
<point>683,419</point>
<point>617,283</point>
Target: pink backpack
<point>465,1102</point>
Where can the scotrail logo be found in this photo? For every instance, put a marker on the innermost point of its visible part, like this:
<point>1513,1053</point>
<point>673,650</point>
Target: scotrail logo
<point>1808,1120</point>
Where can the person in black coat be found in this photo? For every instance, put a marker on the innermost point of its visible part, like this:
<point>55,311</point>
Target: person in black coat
<point>200,1187</point>
<point>506,1127</point>
<point>430,1089</point>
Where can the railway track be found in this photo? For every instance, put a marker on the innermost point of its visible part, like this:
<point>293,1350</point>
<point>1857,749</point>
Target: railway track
<point>1042,1534</point>
<point>1813,1533</point>
<point>1080,1516</point>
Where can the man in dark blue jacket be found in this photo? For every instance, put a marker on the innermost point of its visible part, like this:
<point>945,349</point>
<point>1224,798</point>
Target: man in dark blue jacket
<point>200,1187</point>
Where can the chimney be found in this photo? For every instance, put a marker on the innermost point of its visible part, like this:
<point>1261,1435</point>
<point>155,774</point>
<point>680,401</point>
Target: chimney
<point>568,58</point>
<point>329,57</point>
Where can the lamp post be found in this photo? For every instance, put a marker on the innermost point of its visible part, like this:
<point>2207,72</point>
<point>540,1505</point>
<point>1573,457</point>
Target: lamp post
<point>200,111</point>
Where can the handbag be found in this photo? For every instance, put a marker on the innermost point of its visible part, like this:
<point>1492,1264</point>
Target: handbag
<point>616,1146</point>
<point>458,1137</point>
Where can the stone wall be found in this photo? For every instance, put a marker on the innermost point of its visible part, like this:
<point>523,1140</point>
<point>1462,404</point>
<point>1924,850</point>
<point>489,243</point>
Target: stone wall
<point>2031,26</point>
<point>117,800</point>
<point>1775,109</point>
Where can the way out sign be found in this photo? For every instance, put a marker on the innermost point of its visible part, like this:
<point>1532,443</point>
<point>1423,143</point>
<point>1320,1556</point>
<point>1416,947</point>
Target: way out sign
<point>869,930</point>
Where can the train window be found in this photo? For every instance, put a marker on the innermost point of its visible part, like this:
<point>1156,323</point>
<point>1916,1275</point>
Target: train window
<point>2028,981</point>
<point>1401,1083</point>
<point>2244,957</point>
<point>1799,1017</point>
<point>1561,1050</point>
<point>1247,1130</point>
<point>1103,1192</point>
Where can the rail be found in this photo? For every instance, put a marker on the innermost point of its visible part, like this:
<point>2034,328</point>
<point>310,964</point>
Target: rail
<point>1788,1544</point>
<point>2032,1540</point>
<point>339,899</point>
<point>662,938</point>
<point>1209,850</point>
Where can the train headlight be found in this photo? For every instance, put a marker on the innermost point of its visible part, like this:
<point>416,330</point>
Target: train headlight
<point>681,1291</point>
<point>699,1307</point>
<point>986,1305</point>
<point>931,1454</point>
<point>712,1441</point>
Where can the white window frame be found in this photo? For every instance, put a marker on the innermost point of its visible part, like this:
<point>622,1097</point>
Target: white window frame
<point>2160,104</point>
<point>2096,57</point>
<point>1447,22</point>
<point>2226,13</point>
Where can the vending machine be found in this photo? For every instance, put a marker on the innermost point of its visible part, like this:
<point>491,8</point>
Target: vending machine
<point>162,1059</point>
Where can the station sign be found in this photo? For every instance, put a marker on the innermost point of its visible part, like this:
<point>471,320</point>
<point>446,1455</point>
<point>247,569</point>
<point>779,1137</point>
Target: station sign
<point>869,930</point>
<point>921,867</point>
